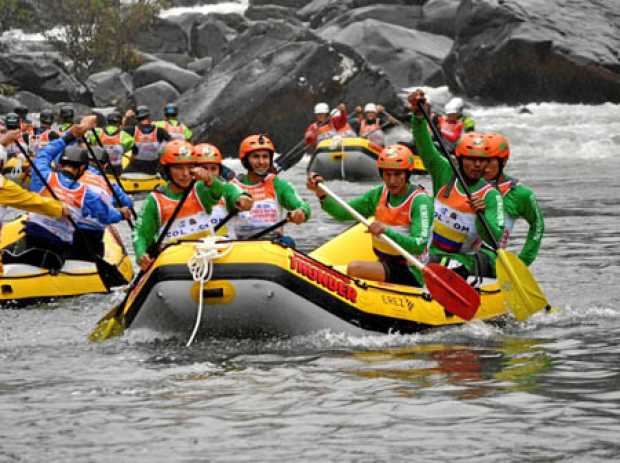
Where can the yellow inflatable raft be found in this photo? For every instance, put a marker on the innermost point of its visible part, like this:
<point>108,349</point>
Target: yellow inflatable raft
<point>261,288</point>
<point>136,182</point>
<point>23,282</point>
<point>354,158</point>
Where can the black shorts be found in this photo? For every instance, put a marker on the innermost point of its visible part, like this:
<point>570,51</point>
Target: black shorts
<point>397,271</point>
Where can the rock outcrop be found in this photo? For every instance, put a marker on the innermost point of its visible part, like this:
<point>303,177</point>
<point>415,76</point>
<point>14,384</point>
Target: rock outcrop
<point>517,51</point>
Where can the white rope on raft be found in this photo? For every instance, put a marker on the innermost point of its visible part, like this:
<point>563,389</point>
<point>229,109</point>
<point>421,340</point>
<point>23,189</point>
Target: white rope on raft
<point>209,248</point>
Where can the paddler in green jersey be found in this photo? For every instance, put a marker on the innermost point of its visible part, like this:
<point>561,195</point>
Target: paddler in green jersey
<point>457,232</point>
<point>270,193</point>
<point>116,141</point>
<point>519,200</point>
<point>179,162</point>
<point>402,211</point>
<point>176,129</point>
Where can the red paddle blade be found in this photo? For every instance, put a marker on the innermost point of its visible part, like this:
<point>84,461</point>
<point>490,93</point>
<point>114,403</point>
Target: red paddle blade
<point>451,291</point>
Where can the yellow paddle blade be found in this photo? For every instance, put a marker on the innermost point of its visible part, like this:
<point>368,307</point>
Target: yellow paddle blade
<point>108,327</point>
<point>521,291</point>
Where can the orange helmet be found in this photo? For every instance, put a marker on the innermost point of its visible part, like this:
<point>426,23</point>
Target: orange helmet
<point>473,145</point>
<point>255,143</point>
<point>396,157</point>
<point>177,152</point>
<point>498,145</point>
<point>206,153</point>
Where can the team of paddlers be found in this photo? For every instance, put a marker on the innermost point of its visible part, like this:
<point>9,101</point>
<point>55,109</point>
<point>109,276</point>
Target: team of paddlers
<point>435,226</point>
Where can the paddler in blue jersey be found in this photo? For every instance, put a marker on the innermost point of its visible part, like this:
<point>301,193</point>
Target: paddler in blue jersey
<point>52,239</point>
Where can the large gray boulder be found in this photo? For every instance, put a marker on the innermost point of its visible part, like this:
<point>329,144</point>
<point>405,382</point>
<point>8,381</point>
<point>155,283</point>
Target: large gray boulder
<point>44,75</point>
<point>210,38</point>
<point>156,96</point>
<point>319,12</point>
<point>7,104</point>
<point>33,102</point>
<point>181,79</point>
<point>408,57</point>
<point>518,51</point>
<point>165,36</point>
<point>270,82</point>
<point>265,12</point>
<point>201,66</point>
<point>111,87</point>
<point>401,15</point>
<point>439,17</point>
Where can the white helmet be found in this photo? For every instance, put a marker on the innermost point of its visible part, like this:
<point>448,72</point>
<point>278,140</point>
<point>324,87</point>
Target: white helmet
<point>454,106</point>
<point>2,155</point>
<point>321,108</point>
<point>370,108</point>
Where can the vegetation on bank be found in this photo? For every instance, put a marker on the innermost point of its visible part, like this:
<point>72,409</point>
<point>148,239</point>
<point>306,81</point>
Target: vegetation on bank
<point>93,35</point>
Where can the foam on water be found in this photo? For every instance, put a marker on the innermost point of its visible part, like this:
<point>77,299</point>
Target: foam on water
<point>238,7</point>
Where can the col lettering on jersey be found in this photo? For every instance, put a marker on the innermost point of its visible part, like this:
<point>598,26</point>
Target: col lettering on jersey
<point>74,198</point>
<point>454,223</point>
<point>147,144</point>
<point>191,222</point>
<point>398,218</point>
<point>265,209</point>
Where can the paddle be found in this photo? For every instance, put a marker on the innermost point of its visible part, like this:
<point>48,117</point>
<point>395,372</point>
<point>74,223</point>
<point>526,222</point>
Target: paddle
<point>112,323</point>
<point>107,180</point>
<point>268,230</point>
<point>445,286</point>
<point>109,274</point>
<point>521,291</point>
<point>116,179</point>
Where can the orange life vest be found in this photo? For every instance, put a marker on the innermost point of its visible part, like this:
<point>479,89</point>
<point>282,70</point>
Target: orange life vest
<point>450,130</point>
<point>397,218</point>
<point>265,208</point>
<point>147,144</point>
<point>372,131</point>
<point>454,223</point>
<point>177,132</point>
<point>74,198</point>
<point>112,145</point>
<point>192,221</point>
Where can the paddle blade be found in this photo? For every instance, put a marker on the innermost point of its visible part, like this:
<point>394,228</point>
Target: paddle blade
<point>521,292</point>
<point>451,291</point>
<point>106,328</point>
<point>110,274</point>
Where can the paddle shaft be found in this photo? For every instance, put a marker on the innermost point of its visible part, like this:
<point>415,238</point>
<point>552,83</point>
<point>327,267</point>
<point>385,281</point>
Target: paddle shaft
<point>412,260</point>
<point>107,180</point>
<point>458,173</point>
<point>267,230</point>
<point>118,180</point>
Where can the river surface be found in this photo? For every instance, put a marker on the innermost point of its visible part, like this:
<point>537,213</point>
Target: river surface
<point>547,389</point>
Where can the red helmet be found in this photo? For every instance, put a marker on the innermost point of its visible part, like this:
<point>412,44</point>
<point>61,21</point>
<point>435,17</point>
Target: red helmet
<point>395,157</point>
<point>473,145</point>
<point>177,152</point>
<point>206,153</point>
<point>255,143</point>
<point>498,145</point>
